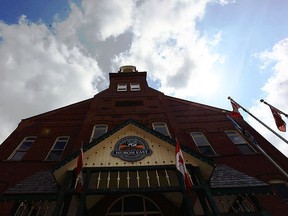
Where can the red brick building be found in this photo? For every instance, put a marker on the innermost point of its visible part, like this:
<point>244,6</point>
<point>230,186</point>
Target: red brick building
<point>128,133</point>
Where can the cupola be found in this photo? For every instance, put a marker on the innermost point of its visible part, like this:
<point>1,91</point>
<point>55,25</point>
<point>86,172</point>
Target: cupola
<point>127,69</point>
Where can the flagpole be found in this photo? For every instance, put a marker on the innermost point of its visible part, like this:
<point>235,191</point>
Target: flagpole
<point>282,138</point>
<point>286,115</point>
<point>252,140</point>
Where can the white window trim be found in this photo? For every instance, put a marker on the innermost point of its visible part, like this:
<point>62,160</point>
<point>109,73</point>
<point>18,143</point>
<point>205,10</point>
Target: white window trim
<point>165,125</point>
<point>94,128</point>
<point>17,149</point>
<point>52,148</point>
<point>135,87</point>
<point>121,87</point>
<point>207,142</point>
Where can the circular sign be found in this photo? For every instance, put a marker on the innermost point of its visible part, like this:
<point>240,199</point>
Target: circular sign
<point>131,148</point>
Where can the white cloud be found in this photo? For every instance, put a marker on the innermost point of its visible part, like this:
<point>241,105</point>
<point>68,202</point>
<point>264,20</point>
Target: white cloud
<point>275,92</point>
<point>167,43</point>
<point>60,63</point>
<point>105,19</point>
<point>38,73</point>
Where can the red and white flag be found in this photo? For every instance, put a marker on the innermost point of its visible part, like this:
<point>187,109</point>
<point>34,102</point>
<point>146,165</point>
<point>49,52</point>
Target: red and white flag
<point>235,107</point>
<point>180,165</point>
<point>79,179</point>
<point>281,125</point>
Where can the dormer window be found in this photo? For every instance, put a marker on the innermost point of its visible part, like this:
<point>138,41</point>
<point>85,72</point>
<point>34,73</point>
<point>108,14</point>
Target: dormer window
<point>122,87</point>
<point>135,87</point>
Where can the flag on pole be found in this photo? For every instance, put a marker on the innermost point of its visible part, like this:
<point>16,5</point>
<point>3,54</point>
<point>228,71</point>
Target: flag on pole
<point>79,179</point>
<point>281,125</point>
<point>235,107</point>
<point>180,165</point>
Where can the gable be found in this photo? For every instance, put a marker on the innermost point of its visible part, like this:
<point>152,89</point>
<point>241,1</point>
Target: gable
<point>154,149</point>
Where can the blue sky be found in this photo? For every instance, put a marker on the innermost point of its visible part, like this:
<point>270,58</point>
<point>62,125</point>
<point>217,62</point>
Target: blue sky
<point>57,52</point>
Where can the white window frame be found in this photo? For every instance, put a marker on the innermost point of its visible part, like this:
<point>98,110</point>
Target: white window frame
<point>161,125</point>
<point>95,129</point>
<point>135,87</point>
<point>29,139</point>
<point>122,87</point>
<point>59,139</point>
<point>206,144</point>
<point>240,142</point>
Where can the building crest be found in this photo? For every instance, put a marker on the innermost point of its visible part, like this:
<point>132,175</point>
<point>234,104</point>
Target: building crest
<point>131,148</point>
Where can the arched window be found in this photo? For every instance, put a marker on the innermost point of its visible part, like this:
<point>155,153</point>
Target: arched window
<point>161,127</point>
<point>134,205</point>
<point>202,143</point>
<point>240,142</point>
<point>21,150</point>
<point>98,131</point>
<point>57,149</point>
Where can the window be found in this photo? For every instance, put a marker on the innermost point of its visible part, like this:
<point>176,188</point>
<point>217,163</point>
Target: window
<point>240,142</point>
<point>21,150</point>
<point>129,103</point>
<point>202,143</point>
<point>134,205</point>
<point>162,128</point>
<point>135,87</point>
<point>122,87</point>
<point>57,149</point>
<point>98,131</point>
<point>33,208</point>
<point>280,187</point>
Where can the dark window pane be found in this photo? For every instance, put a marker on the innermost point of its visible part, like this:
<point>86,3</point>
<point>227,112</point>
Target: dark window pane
<point>26,145</point>
<point>235,137</point>
<point>200,140</point>
<point>54,155</point>
<point>116,207</point>
<point>60,145</point>
<point>282,189</point>
<point>150,206</point>
<point>133,204</point>
<point>18,155</point>
<point>245,149</point>
<point>206,150</point>
<point>99,131</point>
<point>129,103</point>
<point>161,128</point>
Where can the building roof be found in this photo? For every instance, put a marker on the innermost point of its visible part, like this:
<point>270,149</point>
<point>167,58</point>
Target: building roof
<point>227,180</point>
<point>41,182</point>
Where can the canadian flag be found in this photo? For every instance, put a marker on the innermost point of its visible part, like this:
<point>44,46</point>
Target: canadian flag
<point>180,165</point>
<point>235,108</point>
<point>281,125</point>
<point>79,179</point>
